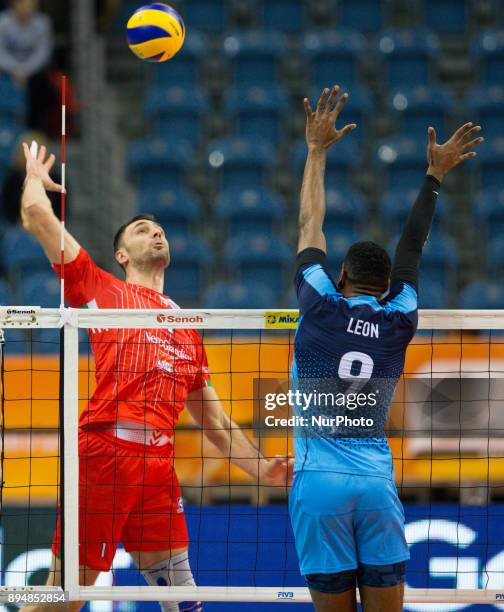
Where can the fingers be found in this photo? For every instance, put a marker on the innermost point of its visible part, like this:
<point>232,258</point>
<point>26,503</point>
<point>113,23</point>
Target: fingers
<point>347,129</point>
<point>322,100</point>
<point>50,162</point>
<point>332,97</point>
<point>465,156</point>
<point>462,130</point>
<point>432,136</point>
<point>41,154</point>
<point>26,151</point>
<point>52,186</point>
<point>472,143</point>
<point>340,105</point>
<point>469,134</point>
<point>308,108</point>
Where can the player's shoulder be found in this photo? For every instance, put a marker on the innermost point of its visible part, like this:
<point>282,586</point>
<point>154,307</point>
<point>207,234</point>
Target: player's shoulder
<point>402,298</point>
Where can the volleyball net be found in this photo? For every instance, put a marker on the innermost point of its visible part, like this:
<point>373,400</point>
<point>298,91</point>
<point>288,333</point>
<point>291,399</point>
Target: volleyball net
<point>445,429</point>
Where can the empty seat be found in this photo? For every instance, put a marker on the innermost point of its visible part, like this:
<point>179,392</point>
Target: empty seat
<point>490,162</point>
<point>485,104</point>
<point>237,295</point>
<point>489,211</point>
<point>6,298</point>
<point>159,163</point>
<point>206,15</point>
<point>283,15</point>
<point>190,258</point>
<point>240,162</point>
<point>41,289</point>
<point>401,161</point>
<point>255,56</point>
<point>345,210</point>
<point>174,209</point>
<point>439,260</point>
<point>407,56</point>
<point>432,295</point>
<point>342,162</point>
<point>419,107</point>
<point>21,252</point>
<point>446,16</point>
<point>259,258</point>
<point>333,55</point>
<point>338,244</point>
<point>186,69</point>
<point>258,110</point>
<point>9,136</point>
<point>397,203</point>
<point>488,51</point>
<point>363,15</point>
<point>482,295</point>
<point>12,102</point>
<point>249,210</point>
<point>176,112</point>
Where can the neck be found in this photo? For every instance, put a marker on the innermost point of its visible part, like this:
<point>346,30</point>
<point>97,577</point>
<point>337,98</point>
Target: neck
<point>355,291</point>
<point>152,279</point>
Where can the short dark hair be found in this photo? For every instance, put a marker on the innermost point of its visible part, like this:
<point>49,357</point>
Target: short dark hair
<point>368,265</point>
<point>122,229</point>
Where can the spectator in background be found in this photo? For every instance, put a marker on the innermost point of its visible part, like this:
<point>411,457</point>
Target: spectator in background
<point>26,47</point>
<point>13,183</point>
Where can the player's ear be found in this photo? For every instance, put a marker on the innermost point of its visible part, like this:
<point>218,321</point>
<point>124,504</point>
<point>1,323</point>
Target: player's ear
<point>121,256</point>
<point>342,278</point>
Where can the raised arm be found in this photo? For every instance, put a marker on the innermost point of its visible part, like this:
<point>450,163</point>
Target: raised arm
<point>441,159</point>
<point>321,134</point>
<point>37,214</point>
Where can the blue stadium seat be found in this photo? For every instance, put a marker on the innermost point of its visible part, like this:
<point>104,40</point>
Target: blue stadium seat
<point>41,289</point>
<point>45,341</point>
<point>342,162</point>
<point>481,295</point>
<point>439,260</point>
<point>407,56</point>
<point>333,55</point>
<point>175,209</point>
<point>446,16</point>
<point>9,136</point>
<point>249,210</point>
<point>21,252</point>
<point>345,210</point>
<point>490,161</point>
<point>255,56</point>
<point>397,203</point>
<point>206,15</point>
<point>364,15</point>
<point>190,258</point>
<point>485,104</point>
<point>176,112</point>
<point>239,295</point>
<point>159,163</point>
<point>488,50</point>
<point>338,244</point>
<point>402,160</point>
<point>489,212</point>
<point>241,162</point>
<point>258,110</point>
<point>419,107</point>
<point>12,102</point>
<point>6,298</point>
<point>283,15</point>
<point>432,295</point>
<point>259,258</point>
<point>186,69</point>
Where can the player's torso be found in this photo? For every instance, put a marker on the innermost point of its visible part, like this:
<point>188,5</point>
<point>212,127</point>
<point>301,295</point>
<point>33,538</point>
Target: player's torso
<point>351,351</point>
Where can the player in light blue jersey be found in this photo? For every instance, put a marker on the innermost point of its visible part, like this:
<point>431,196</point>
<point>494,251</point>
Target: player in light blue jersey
<point>352,334</point>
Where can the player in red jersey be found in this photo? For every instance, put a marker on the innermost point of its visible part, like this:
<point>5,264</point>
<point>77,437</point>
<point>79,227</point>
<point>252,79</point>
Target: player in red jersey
<point>128,489</point>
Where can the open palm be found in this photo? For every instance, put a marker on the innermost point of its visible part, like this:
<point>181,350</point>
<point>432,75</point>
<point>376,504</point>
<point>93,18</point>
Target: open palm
<point>40,167</point>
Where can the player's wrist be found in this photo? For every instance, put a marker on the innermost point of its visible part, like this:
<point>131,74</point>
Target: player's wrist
<point>436,173</point>
<point>317,149</point>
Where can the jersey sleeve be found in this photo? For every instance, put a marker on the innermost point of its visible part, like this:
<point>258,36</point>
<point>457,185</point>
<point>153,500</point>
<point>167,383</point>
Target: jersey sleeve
<point>403,298</point>
<point>313,281</point>
<point>83,279</point>
<point>202,377</point>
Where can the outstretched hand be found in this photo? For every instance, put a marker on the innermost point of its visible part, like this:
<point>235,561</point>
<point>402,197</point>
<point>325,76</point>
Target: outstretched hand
<point>321,132</point>
<point>39,167</point>
<point>444,157</point>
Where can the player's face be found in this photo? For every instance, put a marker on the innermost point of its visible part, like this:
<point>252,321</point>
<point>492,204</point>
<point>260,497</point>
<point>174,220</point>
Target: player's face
<point>24,9</point>
<point>145,245</point>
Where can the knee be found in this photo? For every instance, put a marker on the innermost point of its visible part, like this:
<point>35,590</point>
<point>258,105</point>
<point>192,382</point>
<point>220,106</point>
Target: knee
<point>381,575</point>
<point>332,583</point>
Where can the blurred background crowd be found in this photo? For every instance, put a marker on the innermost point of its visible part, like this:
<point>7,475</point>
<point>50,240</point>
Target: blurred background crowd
<point>211,142</point>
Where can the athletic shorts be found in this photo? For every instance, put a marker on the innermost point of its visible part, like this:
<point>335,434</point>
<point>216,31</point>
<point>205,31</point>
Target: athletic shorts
<point>341,520</point>
<point>128,493</point>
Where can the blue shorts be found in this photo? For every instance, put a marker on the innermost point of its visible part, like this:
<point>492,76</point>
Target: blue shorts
<point>341,520</point>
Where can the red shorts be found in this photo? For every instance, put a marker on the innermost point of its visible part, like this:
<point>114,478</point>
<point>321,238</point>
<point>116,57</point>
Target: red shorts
<point>128,493</point>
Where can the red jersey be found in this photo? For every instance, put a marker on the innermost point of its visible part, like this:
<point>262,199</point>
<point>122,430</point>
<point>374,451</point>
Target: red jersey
<point>142,375</point>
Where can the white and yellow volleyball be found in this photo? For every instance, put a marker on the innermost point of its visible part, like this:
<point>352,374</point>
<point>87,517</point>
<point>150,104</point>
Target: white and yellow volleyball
<point>155,32</point>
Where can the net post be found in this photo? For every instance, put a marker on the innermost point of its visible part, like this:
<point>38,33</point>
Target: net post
<point>70,509</point>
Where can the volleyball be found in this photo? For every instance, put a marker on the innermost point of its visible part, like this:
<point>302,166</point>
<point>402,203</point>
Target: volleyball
<point>155,32</point>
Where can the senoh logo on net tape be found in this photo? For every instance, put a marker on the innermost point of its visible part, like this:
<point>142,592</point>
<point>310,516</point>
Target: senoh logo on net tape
<point>171,319</point>
<point>287,319</point>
